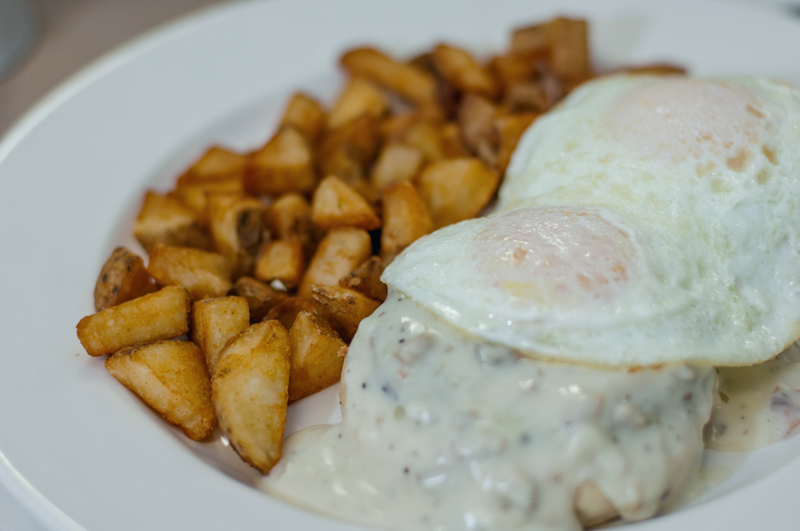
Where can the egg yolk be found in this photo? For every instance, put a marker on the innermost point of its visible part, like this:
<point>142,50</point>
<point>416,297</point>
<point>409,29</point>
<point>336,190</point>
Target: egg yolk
<point>556,256</point>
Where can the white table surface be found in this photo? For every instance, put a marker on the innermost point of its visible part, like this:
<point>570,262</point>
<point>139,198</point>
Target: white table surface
<point>73,33</point>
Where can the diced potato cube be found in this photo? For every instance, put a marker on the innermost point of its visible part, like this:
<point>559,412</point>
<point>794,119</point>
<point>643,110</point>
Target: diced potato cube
<point>366,279</point>
<point>337,205</point>
<point>344,308</point>
<point>316,362</point>
<point>341,251</point>
<point>217,321</point>
<point>215,164</point>
<point>510,69</point>
<point>260,297</point>
<point>290,217</point>
<point>305,115</point>
<point>452,144</point>
<point>238,228</point>
<point>457,189</point>
<point>569,48</point>
<point>404,79</point>
<point>281,260</point>
<point>359,97</point>
<point>509,130</point>
<point>250,391</point>
<point>358,138</point>
<point>405,217</point>
<point>201,273</point>
<point>476,118</point>
<point>166,220</point>
<point>152,317</point>
<point>424,135</point>
<point>285,164</point>
<point>531,42</point>
<point>395,127</point>
<point>461,70</point>
<point>396,162</point>
<point>195,195</point>
<point>529,96</point>
<point>123,277</point>
<point>171,377</point>
<point>286,312</point>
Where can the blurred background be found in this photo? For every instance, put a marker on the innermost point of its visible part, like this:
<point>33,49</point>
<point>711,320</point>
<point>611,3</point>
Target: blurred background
<point>43,42</point>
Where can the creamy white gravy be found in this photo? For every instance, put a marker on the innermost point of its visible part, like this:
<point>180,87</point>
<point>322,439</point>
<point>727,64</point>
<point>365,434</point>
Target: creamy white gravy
<point>757,405</point>
<point>444,432</point>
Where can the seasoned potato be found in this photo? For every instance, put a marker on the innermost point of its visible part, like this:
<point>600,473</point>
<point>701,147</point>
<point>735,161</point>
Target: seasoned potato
<point>509,131</point>
<point>305,115</point>
<point>357,138</point>
<point>171,377</point>
<point>510,69</point>
<point>396,162</point>
<point>285,164</point>
<point>260,297</point>
<point>217,321</point>
<point>476,118</point>
<point>217,162</point>
<point>166,220</point>
<point>337,205</point>
<point>343,307</point>
<point>281,260</point>
<point>160,315</point>
<point>290,217</point>
<point>250,391</point>
<point>366,279</point>
<point>195,195</point>
<point>531,42</point>
<point>238,228</point>
<point>528,96</point>
<point>286,312</point>
<point>123,277</point>
<point>359,97</point>
<point>452,143</point>
<point>341,251</point>
<point>424,135</point>
<point>456,189</point>
<point>201,273</point>
<point>405,218</point>
<point>316,362</point>
<point>569,48</point>
<point>395,127</point>
<point>406,80</point>
<point>462,71</point>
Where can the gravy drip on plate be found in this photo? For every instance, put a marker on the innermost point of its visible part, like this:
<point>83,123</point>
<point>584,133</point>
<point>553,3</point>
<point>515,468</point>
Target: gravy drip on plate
<point>443,431</point>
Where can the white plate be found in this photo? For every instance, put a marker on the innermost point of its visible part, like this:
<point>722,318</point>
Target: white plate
<point>80,450</point>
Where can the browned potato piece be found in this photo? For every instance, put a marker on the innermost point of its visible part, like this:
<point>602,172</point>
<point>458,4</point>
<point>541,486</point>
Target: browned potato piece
<point>337,205</point>
<point>250,391</point>
<point>201,273</point>
<point>285,164</point>
<point>456,189</point>
<point>166,220</point>
<point>123,277</point>
<point>260,297</point>
<point>316,362</point>
<point>655,69</point>
<point>217,321</point>
<point>462,71</point>
<point>358,138</point>
<point>531,42</point>
<point>237,226</point>
<point>406,80</point>
<point>281,260</point>
<point>195,195</point>
<point>396,126</point>
<point>424,135</point>
<point>509,69</point>
<point>344,308</point>
<point>528,96</point>
<point>215,163</point>
<point>452,144</point>
<point>476,117</point>
<point>359,97</point>
<point>290,217</point>
<point>396,162</point>
<point>366,279</point>
<point>171,377</point>
<point>341,251</point>
<point>306,115</point>
<point>509,131</point>
<point>286,312</point>
<point>405,218</point>
<point>152,317</point>
<point>569,48</point>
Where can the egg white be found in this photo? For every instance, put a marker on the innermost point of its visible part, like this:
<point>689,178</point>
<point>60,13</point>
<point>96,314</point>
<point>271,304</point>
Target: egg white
<point>647,220</point>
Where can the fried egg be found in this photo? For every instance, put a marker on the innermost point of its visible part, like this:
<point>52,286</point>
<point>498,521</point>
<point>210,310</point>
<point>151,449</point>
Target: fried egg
<point>645,221</point>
